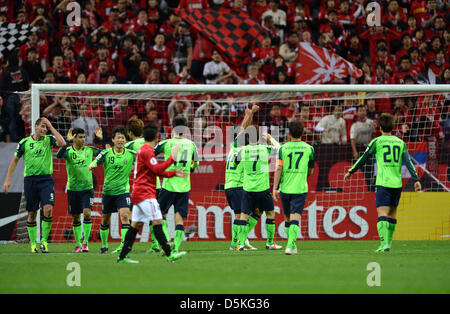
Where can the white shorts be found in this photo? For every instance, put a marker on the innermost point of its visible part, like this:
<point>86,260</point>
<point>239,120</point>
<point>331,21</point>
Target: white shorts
<point>146,211</point>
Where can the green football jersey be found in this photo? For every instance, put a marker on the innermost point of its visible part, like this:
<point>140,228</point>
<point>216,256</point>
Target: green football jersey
<point>117,169</point>
<point>233,171</point>
<point>79,178</point>
<point>255,164</point>
<point>390,152</point>
<point>37,155</point>
<point>187,160</point>
<point>134,145</point>
<point>297,158</point>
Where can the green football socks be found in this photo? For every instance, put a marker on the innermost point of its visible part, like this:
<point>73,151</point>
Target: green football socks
<point>178,237</point>
<point>383,230</point>
<point>243,230</point>
<point>270,228</point>
<point>155,244</point>
<point>234,235</point>
<point>252,221</point>
<point>32,232</point>
<point>46,228</point>
<point>76,227</point>
<point>294,228</point>
<point>166,229</point>
<point>391,230</point>
<point>87,226</point>
<point>104,233</point>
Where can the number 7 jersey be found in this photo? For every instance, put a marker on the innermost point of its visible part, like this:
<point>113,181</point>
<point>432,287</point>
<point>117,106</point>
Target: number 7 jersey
<point>390,152</point>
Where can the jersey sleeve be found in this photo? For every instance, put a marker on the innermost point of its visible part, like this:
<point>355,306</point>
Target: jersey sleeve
<point>20,150</point>
<point>158,168</point>
<point>406,159</point>
<point>53,141</point>
<point>370,150</point>
<point>101,157</point>
<point>160,147</point>
<point>62,152</point>
<point>95,151</point>
<point>311,161</point>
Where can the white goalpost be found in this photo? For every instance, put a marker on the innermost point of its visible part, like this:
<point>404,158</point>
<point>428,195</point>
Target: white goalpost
<point>333,210</point>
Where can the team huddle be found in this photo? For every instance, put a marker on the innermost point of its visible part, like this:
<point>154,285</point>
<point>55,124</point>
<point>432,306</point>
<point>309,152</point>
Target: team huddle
<point>247,182</point>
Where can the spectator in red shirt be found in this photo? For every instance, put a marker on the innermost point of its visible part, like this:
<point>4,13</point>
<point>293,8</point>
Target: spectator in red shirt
<point>377,33</point>
<point>418,40</point>
<point>153,12</point>
<point>62,73</point>
<point>404,70</point>
<point>144,72</point>
<point>253,76</point>
<point>142,24</point>
<point>258,9</point>
<point>404,50</point>
<point>113,23</point>
<point>100,76</point>
<point>411,20</point>
<point>265,55</point>
<point>380,76</point>
<point>160,56</point>
<point>436,28</point>
<point>445,76</point>
<point>325,8</point>
<point>439,64</point>
<point>168,28</point>
<point>434,46</point>
<point>102,55</point>
<point>394,18</point>
<point>384,57</point>
<point>416,64</point>
<point>401,127</point>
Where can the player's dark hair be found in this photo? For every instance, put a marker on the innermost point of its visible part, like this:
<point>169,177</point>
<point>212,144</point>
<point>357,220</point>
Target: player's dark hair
<point>386,121</point>
<point>135,126</point>
<point>295,129</point>
<point>38,121</point>
<point>251,134</point>
<point>179,121</point>
<point>118,130</point>
<point>77,131</point>
<point>150,132</point>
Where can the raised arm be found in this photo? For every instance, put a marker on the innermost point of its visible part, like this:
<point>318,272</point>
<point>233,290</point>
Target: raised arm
<point>59,139</point>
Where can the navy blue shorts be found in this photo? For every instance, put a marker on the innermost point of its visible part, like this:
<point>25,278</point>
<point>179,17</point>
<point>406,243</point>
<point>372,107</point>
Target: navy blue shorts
<point>253,200</point>
<point>387,196</point>
<point>180,202</point>
<point>79,200</point>
<point>234,198</point>
<point>39,190</point>
<point>293,203</point>
<point>112,203</point>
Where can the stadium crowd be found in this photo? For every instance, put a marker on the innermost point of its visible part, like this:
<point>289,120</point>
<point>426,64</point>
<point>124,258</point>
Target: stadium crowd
<point>145,42</point>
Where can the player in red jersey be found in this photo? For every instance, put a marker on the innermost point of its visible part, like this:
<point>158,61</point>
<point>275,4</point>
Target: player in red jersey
<point>145,206</point>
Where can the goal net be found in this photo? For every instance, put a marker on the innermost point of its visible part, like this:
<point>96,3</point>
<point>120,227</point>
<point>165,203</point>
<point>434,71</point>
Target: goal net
<point>339,121</point>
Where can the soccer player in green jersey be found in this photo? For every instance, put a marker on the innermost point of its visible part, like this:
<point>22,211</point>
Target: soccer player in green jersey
<point>256,185</point>
<point>80,188</point>
<point>294,165</point>
<point>175,190</point>
<point>390,153</point>
<point>234,181</point>
<point>135,129</point>
<point>118,162</point>
<point>38,182</point>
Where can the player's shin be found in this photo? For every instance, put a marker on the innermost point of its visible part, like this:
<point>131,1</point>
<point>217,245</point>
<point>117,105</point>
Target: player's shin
<point>270,228</point>
<point>391,230</point>
<point>293,233</point>
<point>162,240</point>
<point>104,233</point>
<point>87,226</point>
<point>76,227</point>
<point>129,239</point>
<point>178,237</point>
<point>32,232</point>
<point>242,232</point>
<point>46,228</point>
<point>383,230</point>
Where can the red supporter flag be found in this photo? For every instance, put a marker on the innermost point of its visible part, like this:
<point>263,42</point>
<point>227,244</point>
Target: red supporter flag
<point>318,65</point>
<point>233,32</point>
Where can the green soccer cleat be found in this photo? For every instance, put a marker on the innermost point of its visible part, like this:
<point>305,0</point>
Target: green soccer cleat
<point>127,260</point>
<point>34,249</point>
<point>176,256</point>
<point>44,247</point>
<point>383,248</point>
<point>118,250</point>
<point>154,250</point>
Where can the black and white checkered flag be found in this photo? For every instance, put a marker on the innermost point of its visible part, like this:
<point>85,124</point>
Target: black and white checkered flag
<point>12,36</point>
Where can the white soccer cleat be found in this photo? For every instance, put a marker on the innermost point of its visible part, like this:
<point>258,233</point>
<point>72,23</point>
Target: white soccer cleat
<point>274,246</point>
<point>290,251</point>
<point>248,246</point>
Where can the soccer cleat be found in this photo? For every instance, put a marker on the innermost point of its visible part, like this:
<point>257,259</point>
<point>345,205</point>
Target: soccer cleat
<point>290,251</point>
<point>85,247</point>
<point>176,256</point>
<point>78,249</point>
<point>127,260</point>
<point>248,246</point>
<point>44,247</point>
<point>273,246</point>
<point>383,248</point>
<point>153,250</point>
<point>103,250</point>
<point>118,250</point>
<point>240,248</point>
<point>33,249</point>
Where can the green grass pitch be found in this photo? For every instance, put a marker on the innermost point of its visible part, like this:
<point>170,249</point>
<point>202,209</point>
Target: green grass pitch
<point>210,268</point>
